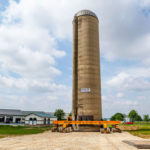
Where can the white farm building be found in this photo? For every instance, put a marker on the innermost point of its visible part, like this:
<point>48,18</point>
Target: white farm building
<point>11,116</point>
<point>39,118</point>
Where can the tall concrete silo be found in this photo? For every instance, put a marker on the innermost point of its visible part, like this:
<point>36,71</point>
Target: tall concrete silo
<point>86,97</point>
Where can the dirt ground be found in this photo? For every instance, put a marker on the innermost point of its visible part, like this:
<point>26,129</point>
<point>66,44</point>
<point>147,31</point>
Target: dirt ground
<point>69,141</point>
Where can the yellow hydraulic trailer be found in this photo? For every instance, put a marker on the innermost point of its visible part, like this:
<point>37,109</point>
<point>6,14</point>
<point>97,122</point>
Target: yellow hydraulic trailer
<point>66,125</point>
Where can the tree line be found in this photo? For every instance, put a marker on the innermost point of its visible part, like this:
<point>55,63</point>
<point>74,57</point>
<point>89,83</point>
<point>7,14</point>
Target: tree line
<point>133,115</point>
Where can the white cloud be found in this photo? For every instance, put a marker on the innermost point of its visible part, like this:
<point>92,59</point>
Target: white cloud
<point>34,94</point>
<point>124,31</point>
<point>145,3</point>
<point>26,51</point>
<point>103,98</point>
<point>29,50</point>
<point>141,97</point>
<point>132,88</point>
<point>113,104</point>
<point>124,28</point>
<point>29,32</point>
<point>30,85</point>
<point>119,95</point>
<point>124,81</point>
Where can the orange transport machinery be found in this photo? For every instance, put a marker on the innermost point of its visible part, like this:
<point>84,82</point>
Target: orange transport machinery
<point>68,125</point>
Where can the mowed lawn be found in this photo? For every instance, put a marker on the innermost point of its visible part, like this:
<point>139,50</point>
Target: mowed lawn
<point>21,130</point>
<point>142,129</point>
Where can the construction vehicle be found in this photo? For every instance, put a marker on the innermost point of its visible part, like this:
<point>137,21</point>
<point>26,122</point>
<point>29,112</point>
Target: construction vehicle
<point>66,126</point>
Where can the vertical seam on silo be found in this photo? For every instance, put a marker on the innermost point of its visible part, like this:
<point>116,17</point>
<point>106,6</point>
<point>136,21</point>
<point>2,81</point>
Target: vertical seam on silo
<point>76,63</point>
<point>75,73</point>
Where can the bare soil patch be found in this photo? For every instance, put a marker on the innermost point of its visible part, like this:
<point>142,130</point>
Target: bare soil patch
<point>129,128</point>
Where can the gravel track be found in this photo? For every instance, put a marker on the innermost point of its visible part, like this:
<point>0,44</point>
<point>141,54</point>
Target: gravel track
<point>69,141</point>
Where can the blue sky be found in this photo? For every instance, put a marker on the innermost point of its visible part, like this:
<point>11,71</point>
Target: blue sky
<point>3,5</point>
<point>36,54</point>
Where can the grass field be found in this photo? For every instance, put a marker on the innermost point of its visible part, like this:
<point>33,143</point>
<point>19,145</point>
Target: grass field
<point>20,130</point>
<point>2,136</point>
<point>141,129</point>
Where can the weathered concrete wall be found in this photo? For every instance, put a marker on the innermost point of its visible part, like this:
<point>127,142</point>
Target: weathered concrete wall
<point>86,68</point>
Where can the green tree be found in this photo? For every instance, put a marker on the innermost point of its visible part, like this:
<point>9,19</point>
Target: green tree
<point>70,114</point>
<point>133,115</point>
<point>112,117</point>
<point>138,118</point>
<point>146,117</point>
<point>59,113</point>
<point>117,116</point>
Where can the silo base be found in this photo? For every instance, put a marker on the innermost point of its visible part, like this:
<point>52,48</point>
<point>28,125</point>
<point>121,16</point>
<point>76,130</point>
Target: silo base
<point>86,128</point>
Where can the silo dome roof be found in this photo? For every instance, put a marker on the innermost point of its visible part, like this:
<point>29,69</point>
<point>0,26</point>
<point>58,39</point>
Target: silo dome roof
<point>85,13</point>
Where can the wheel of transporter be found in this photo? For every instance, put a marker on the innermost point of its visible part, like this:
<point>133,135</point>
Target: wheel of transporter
<point>108,130</point>
<point>53,129</point>
<point>113,129</point>
<point>101,130</point>
<point>60,129</point>
<point>67,130</point>
<point>119,130</point>
<point>70,129</point>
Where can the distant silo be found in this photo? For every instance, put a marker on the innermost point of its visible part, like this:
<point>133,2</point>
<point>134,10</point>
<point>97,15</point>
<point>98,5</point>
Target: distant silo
<point>86,97</point>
